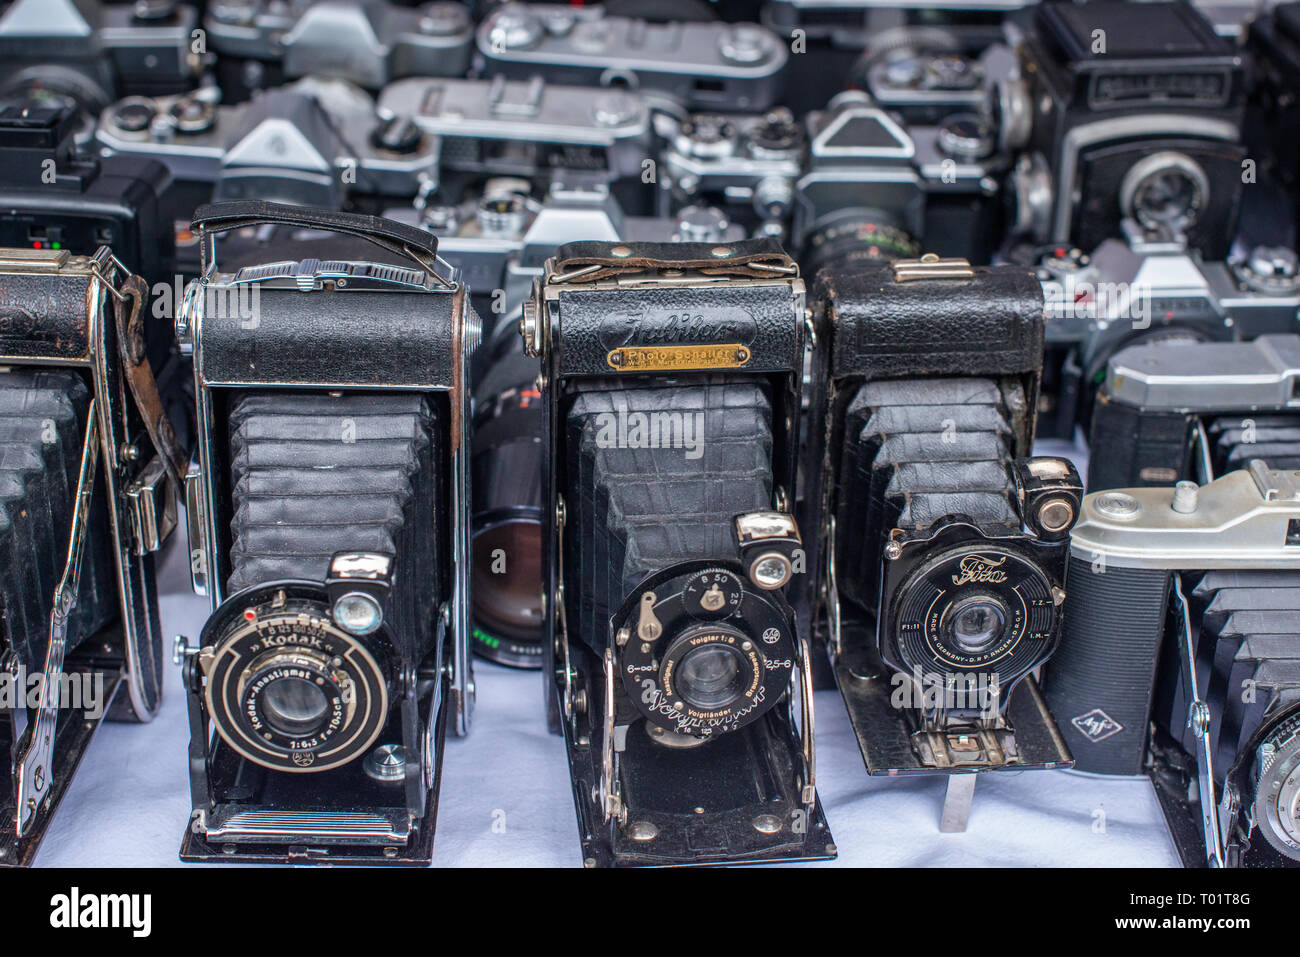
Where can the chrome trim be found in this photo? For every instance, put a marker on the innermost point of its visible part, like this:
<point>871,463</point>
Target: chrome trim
<point>35,764</point>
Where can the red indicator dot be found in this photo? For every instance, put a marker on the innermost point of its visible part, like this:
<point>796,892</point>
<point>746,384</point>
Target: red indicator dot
<point>250,614</point>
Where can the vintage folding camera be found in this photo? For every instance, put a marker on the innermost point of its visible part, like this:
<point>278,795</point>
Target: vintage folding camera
<point>697,65</point>
<point>94,52</point>
<point>327,511</point>
<point>89,473</point>
<point>1120,295</point>
<point>876,188</point>
<point>1133,115</point>
<point>262,43</point>
<point>1181,657</point>
<point>946,541</point>
<point>743,164</point>
<point>53,198</point>
<point>672,383</point>
<point>1193,410</point>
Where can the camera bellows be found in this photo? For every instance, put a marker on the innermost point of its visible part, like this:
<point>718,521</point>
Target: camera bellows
<point>1235,440</point>
<point>661,474</point>
<point>42,425</point>
<point>312,475</point>
<point>919,450</point>
<point>1249,644</point>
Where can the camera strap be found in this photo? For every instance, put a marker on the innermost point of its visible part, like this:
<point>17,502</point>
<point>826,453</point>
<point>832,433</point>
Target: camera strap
<point>128,304</point>
<point>591,261</point>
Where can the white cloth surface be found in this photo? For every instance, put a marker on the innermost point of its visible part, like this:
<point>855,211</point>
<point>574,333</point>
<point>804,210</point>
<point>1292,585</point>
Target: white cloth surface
<point>506,799</point>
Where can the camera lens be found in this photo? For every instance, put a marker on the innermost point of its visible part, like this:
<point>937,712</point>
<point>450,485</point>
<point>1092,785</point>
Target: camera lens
<point>853,235</point>
<point>294,706</point>
<point>508,578</point>
<point>711,676</point>
<point>1164,190</point>
<point>976,623</point>
<point>507,519</point>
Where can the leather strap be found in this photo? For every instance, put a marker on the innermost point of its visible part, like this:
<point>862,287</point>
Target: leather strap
<point>139,376</point>
<point>591,261</point>
<point>406,241</point>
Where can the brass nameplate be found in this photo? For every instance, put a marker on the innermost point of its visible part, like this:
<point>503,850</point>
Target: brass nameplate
<point>668,358</point>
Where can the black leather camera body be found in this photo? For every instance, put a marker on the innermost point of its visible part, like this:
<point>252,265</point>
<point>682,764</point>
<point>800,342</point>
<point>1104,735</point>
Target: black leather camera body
<point>674,568</point>
<point>1181,657</point>
<point>1136,113</point>
<point>945,565</point>
<point>89,475</point>
<point>1169,411</point>
<point>328,510</point>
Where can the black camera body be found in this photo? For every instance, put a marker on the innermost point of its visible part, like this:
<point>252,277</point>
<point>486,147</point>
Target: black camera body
<point>328,506</point>
<point>1273,39</point>
<point>52,198</point>
<point>672,382</point>
<point>89,475</point>
<point>1181,657</point>
<point>945,565</point>
<point>1179,410</point>
<point>93,52</point>
<point>1136,113</point>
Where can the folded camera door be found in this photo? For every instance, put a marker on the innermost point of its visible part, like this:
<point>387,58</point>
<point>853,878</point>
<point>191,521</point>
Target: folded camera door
<point>672,382</point>
<point>328,521</point>
<point>89,474</point>
<point>945,565</point>
<point>1181,657</point>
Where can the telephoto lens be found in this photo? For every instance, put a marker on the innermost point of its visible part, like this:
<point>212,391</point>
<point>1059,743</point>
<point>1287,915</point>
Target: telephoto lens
<point>676,668</point>
<point>507,515</point>
<point>946,540</point>
<point>327,507</point>
<point>90,468</point>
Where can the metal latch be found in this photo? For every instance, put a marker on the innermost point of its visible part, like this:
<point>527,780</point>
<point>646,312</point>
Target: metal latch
<point>152,501</point>
<point>930,266</point>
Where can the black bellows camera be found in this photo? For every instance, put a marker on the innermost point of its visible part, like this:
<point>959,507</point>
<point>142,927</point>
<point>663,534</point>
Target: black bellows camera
<point>328,509</point>
<point>946,541</point>
<point>672,382</point>
<point>1181,657</point>
<point>89,473</point>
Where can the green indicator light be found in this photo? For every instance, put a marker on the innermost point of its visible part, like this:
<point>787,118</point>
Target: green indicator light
<point>56,245</point>
<point>487,639</point>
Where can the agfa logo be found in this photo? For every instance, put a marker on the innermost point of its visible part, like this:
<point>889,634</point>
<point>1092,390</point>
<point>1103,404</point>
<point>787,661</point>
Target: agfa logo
<point>1096,725</point>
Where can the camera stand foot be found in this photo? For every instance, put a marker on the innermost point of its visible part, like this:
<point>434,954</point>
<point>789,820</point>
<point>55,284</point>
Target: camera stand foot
<point>956,802</point>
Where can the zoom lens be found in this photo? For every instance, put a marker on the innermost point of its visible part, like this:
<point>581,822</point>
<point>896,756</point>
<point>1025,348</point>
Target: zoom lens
<point>711,676</point>
<point>853,235</point>
<point>507,520</point>
<point>976,623</point>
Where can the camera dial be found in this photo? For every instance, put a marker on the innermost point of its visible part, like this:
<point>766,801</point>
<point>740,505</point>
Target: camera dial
<point>287,686</point>
<point>977,606</point>
<point>701,652</point>
<point>1277,791</point>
